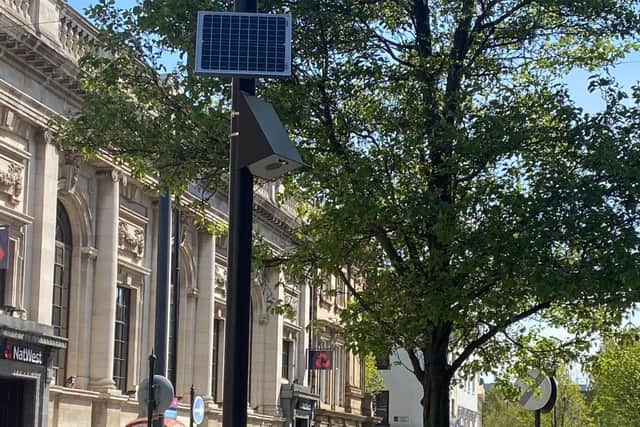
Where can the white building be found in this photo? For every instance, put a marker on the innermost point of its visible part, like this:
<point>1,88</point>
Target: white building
<point>400,404</point>
<point>77,302</point>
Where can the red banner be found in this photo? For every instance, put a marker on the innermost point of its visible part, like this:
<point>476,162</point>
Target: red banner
<point>4,248</point>
<point>320,359</point>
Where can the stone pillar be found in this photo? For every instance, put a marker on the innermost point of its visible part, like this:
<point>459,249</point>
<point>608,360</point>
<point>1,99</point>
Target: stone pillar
<point>266,351</point>
<point>304,305</point>
<point>205,314</point>
<point>106,273</point>
<point>44,230</point>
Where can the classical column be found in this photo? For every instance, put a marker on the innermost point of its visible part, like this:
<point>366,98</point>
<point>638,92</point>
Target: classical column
<point>304,338</point>
<point>105,281</point>
<point>266,349</point>
<point>44,229</point>
<point>204,315</point>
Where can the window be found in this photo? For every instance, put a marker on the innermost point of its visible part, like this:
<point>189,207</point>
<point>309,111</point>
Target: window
<point>121,348</point>
<point>341,296</point>
<point>214,359</point>
<point>383,362</point>
<point>338,379</point>
<point>286,359</point>
<point>382,407</point>
<point>60,297</point>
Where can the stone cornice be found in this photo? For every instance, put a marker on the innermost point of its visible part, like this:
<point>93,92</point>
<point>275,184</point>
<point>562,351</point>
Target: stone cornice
<point>272,216</point>
<point>47,47</point>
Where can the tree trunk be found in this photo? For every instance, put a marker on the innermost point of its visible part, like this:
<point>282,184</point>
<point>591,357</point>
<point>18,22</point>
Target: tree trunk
<point>436,381</point>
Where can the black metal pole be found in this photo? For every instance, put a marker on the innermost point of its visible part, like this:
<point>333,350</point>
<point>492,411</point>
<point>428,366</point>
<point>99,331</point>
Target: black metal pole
<point>236,375</point>
<point>162,289</point>
<point>151,392</point>
<point>537,419</point>
<point>192,392</point>
<point>175,279</point>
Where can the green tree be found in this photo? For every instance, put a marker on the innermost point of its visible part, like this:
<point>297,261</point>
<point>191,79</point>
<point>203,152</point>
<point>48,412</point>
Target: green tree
<point>615,381</point>
<point>447,167</point>
<point>373,381</point>
<point>570,409</point>
<point>497,411</point>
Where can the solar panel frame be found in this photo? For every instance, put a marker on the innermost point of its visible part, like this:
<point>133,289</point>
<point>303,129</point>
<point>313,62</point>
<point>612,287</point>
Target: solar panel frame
<point>265,51</point>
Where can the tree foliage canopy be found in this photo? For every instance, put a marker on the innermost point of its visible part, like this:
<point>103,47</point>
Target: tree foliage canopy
<point>448,165</point>
<point>615,381</point>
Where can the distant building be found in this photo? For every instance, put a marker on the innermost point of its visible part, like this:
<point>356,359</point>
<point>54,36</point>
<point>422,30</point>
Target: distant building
<point>400,404</point>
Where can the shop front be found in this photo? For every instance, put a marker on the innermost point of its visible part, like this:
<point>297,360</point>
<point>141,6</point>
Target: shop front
<point>298,405</point>
<point>25,350</point>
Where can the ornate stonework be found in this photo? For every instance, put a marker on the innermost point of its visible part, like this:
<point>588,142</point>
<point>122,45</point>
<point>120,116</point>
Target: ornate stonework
<point>14,123</point>
<point>131,239</point>
<point>70,173</point>
<point>131,192</point>
<point>291,299</point>
<point>130,278</point>
<point>75,38</point>
<point>11,180</point>
<point>222,243</point>
<point>221,276</point>
<point>21,7</point>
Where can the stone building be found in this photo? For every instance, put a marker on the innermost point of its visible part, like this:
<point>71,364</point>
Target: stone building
<point>77,300</point>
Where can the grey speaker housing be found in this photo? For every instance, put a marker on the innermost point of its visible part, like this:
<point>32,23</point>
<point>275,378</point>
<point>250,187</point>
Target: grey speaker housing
<point>265,147</point>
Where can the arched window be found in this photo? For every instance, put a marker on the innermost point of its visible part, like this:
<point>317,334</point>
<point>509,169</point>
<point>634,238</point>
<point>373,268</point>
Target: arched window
<point>61,280</point>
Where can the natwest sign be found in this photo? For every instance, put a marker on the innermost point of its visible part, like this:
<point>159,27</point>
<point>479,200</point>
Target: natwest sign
<point>21,353</point>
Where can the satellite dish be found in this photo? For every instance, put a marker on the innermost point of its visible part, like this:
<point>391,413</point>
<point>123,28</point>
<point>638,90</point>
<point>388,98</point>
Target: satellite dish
<point>163,393</point>
<point>542,396</point>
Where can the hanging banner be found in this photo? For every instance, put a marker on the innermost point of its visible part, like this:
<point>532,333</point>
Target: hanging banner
<point>320,359</point>
<point>4,248</point>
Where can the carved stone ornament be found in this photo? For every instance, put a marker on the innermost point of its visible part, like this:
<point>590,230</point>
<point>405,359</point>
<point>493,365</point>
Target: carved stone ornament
<point>293,302</point>
<point>129,278</point>
<point>131,193</point>
<point>70,173</point>
<point>131,239</point>
<point>49,136</point>
<point>222,243</point>
<point>22,7</point>
<point>11,181</point>
<point>15,123</point>
<point>221,276</point>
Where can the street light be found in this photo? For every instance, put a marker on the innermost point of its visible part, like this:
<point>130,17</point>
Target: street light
<point>259,146</point>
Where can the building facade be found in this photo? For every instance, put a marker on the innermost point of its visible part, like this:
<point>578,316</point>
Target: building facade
<point>399,405</point>
<point>77,301</point>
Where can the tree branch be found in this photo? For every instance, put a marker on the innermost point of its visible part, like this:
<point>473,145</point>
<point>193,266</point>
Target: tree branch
<point>387,245</point>
<point>418,371</point>
<point>473,345</point>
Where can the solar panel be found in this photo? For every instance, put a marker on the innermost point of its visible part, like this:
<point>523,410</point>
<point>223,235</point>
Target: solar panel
<point>237,44</point>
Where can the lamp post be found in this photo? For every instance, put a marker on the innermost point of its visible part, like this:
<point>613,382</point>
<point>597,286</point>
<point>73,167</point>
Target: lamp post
<point>260,146</point>
<point>162,289</point>
<point>236,376</point>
